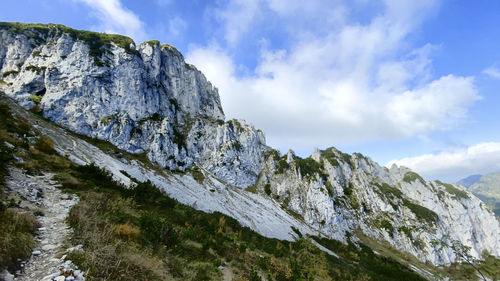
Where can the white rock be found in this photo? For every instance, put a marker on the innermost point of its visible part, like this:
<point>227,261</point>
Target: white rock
<point>60,278</point>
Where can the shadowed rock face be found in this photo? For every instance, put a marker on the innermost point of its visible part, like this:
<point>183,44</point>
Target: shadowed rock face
<point>146,99</point>
<point>143,99</point>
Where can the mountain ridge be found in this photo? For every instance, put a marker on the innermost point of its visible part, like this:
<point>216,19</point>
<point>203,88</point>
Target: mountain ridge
<point>487,188</point>
<point>145,100</point>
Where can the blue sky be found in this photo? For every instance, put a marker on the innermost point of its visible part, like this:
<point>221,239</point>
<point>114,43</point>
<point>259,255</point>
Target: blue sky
<point>409,82</point>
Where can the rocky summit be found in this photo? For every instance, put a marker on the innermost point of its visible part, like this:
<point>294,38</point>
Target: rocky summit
<point>145,99</point>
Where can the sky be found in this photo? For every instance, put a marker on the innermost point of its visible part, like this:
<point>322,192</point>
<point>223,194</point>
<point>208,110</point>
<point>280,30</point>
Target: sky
<point>412,83</point>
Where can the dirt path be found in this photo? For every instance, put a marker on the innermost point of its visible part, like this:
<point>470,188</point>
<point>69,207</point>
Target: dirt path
<point>40,193</point>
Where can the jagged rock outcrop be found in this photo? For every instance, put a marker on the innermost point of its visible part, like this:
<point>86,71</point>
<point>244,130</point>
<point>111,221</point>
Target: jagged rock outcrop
<point>146,99</point>
<point>341,195</point>
<point>143,99</point>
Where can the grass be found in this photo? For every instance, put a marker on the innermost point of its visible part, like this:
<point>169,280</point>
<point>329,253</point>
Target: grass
<point>411,177</point>
<point>281,166</point>
<point>272,153</point>
<point>197,174</point>
<point>455,192</point>
<point>35,69</point>
<point>374,267</point>
<point>16,237</point>
<point>389,191</point>
<point>267,189</point>
<point>10,72</point>
<point>421,212</point>
<point>17,230</point>
<point>308,167</point>
<point>152,43</point>
<point>35,98</point>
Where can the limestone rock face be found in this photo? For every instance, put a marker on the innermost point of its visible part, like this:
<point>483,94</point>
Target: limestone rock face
<point>143,99</point>
<point>340,195</point>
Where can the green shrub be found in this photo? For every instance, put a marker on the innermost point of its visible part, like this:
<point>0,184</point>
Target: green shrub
<point>156,230</point>
<point>388,226</point>
<point>411,177</point>
<point>179,138</point>
<point>308,167</point>
<point>389,191</point>
<point>35,98</point>
<point>105,121</point>
<point>457,193</point>
<point>421,212</point>
<point>10,72</point>
<point>330,156</point>
<point>281,166</point>
<point>45,145</point>
<point>267,189</point>
<point>152,43</point>
<point>329,188</point>
<point>272,153</point>
<point>36,69</point>
<point>197,175</point>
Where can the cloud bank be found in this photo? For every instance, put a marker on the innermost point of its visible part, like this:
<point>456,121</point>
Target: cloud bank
<point>339,79</point>
<point>113,17</point>
<point>454,165</point>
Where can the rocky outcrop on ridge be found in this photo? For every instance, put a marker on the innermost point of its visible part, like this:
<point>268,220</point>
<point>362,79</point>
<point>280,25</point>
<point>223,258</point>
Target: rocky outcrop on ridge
<point>341,194</point>
<point>143,99</point>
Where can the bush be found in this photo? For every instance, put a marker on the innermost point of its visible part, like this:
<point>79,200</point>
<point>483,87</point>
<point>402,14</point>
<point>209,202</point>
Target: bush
<point>179,138</point>
<point>308,166</point>
<point>156,231</point>
<point>127,232</point>
<point>421,212</point>
<point>267,189</point>
<point>35,98</point>
<point>389,191</point>
<point>10,72</point>
<point>457,193</point>
<point>281,166</point>
<point>411,177</point>
<point>45,144</point>
<point>197,175</point>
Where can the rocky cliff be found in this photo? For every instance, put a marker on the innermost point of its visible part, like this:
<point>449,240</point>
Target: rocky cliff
<point>143,99</point>
<point>146,100</point>
<point>341,195</point>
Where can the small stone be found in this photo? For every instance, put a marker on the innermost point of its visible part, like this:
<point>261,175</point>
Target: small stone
<point>7,276</point>
<point>60,278</point>
<point>36,253</point>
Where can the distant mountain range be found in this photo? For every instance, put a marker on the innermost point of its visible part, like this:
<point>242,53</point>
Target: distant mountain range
<point>485,187</point>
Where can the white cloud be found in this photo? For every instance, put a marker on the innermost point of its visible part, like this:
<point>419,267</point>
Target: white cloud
<point>356,82</point>
<point>493,71</point>
<point>113,17</point>
<point>237,17</point>
<point>176,26</point>
<point>454,165</point>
